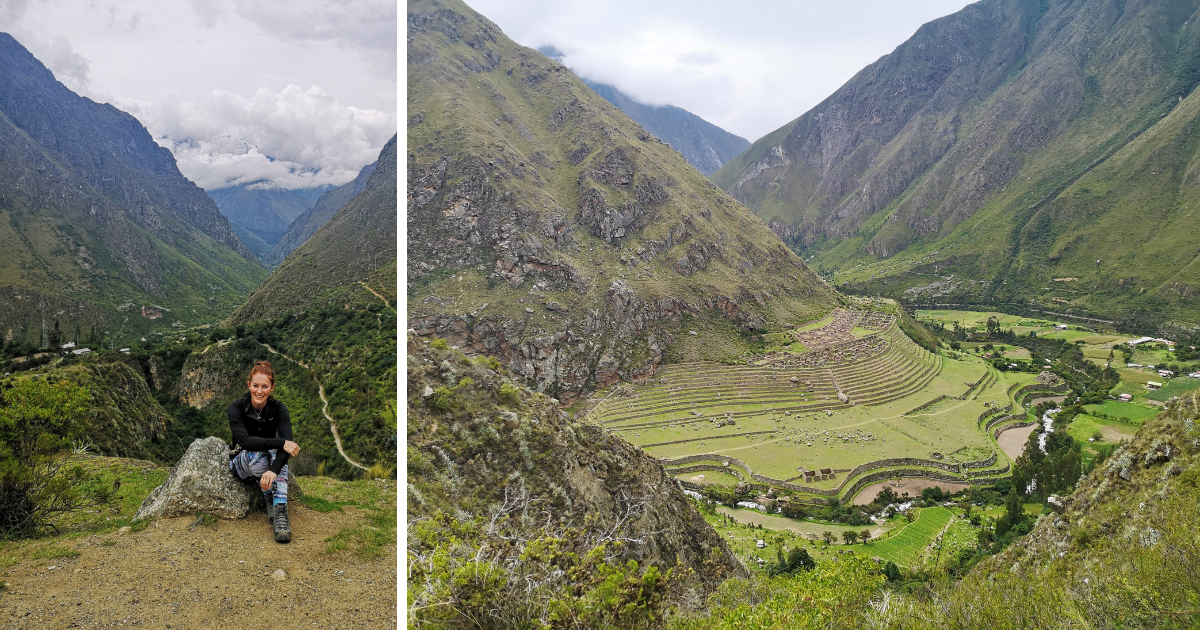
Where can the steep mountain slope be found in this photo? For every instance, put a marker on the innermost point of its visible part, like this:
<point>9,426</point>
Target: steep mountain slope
<point>497,472</point>
<point>357,241</point>
<point>96,218</point>
<point>548,229</point>
<point>263,210</point>
<point>1031,153</point>
<point>703,144</point>
<point>311,220</point>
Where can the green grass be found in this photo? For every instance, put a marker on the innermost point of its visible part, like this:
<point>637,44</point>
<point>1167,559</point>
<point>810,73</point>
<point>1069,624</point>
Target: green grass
<point>54,552</point>
<point>1084,426</point>
<point>320,505</point>
<point>1174,387</point>
<point>1117,409</point>
<point>906,546</point>
<point>370,538</point>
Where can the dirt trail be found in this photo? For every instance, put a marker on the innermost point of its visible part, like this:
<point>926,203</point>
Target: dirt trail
<point>324,409</point>
<point>172,576</point>
<point>333,427</point>
<point>368,287</point>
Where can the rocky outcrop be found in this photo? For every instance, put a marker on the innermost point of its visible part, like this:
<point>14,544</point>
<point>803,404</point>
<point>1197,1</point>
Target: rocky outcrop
<point>531,454</point>
<point>201,483</point>
<point>209,374</point>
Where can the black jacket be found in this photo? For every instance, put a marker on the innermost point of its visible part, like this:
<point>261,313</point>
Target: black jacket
<point>261,430</point>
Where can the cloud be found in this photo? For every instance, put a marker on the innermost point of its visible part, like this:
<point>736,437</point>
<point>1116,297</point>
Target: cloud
<point>748,71</point>
<point>294,138</point>
<point>365,26</point>
<point>68,66</point>
<point>699,59</point>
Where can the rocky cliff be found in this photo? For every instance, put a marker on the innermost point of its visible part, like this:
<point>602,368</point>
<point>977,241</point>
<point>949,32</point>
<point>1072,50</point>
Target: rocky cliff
<point>486,450</point>
<point>548,229</point>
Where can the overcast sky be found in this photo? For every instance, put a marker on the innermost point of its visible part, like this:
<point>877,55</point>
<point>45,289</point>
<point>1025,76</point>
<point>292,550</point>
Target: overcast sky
<point>748,67</point>
<point>297,92</point>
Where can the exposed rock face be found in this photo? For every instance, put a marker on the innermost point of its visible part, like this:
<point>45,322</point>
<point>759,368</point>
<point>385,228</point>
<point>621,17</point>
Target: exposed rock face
<point>158,372</point>
<point>571,471</point>
<point>201,483</point>
<point>580,213</point>
<point>209,374</point>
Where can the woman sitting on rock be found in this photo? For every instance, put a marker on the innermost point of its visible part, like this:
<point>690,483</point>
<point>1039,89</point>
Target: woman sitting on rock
<point>262,435</point>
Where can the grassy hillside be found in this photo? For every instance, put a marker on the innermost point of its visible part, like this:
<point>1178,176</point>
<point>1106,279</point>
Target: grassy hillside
<point>1036,155</point>
<point>548,229</point>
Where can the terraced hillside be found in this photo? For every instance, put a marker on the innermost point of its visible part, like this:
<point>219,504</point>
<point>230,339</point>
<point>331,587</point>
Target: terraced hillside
<point>867,404</point>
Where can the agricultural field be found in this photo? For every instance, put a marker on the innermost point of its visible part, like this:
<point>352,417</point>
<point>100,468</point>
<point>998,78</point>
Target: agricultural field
<point>907,545</point>
<point>1135,414</point>
<point>1084,426</point>
<point>805,528</point>
<point>860,392</point>
<point>1176,386</point>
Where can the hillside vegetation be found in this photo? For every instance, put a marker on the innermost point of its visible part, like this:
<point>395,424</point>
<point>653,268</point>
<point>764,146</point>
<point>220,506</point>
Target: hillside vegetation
<point>519,517</point>
<point>1037,154</point>
<point>103,238</point>
<point>549,230</point>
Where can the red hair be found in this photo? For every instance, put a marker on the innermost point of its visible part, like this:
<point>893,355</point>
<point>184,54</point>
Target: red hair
<point>262,367</point>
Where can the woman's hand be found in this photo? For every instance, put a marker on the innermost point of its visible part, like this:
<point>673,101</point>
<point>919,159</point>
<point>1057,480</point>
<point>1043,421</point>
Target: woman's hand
<point>291,447</point>
<point>267,479</point>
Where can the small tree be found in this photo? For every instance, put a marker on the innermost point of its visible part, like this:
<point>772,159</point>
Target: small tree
<point>828,537</point>
<point>864,535</point>
<point>850,537</point>
<point>891,571</point>
<point>37,420</point>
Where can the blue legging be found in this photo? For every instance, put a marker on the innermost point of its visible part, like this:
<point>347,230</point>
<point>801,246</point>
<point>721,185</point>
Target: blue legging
<point>253,464</point>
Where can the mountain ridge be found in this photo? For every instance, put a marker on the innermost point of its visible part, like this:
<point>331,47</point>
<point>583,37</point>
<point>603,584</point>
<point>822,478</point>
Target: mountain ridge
<point>703,144</point>
<point>969,165</point>
<point>548,229</point>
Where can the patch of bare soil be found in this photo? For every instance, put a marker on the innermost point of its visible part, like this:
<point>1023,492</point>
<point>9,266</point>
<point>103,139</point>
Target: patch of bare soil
<point>913,486</point>
<point>1037,401</point>
<point>175,575</point>
<point>1013,441</point>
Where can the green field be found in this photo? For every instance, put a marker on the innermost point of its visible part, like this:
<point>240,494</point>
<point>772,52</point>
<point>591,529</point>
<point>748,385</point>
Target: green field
<point>908,544</point>
<point>1084,426</point>
<point>1174,387</point>
<point>1135,413</point>
<point>864,393</point>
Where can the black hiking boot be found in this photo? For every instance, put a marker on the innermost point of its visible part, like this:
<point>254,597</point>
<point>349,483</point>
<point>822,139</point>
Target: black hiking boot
<point>279,521</point>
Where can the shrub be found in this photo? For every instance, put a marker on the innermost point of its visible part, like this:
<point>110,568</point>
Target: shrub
<point>378,471</point>
<point>37,420</point>
<point>304,465</point>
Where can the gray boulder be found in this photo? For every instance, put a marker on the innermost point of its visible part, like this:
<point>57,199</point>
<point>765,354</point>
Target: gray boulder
<point>201,483</point>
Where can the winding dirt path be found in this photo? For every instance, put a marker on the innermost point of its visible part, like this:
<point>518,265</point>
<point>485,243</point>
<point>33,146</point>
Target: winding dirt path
<point>368,287</point>
<point>333,427</point>
<point>324,409</point>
